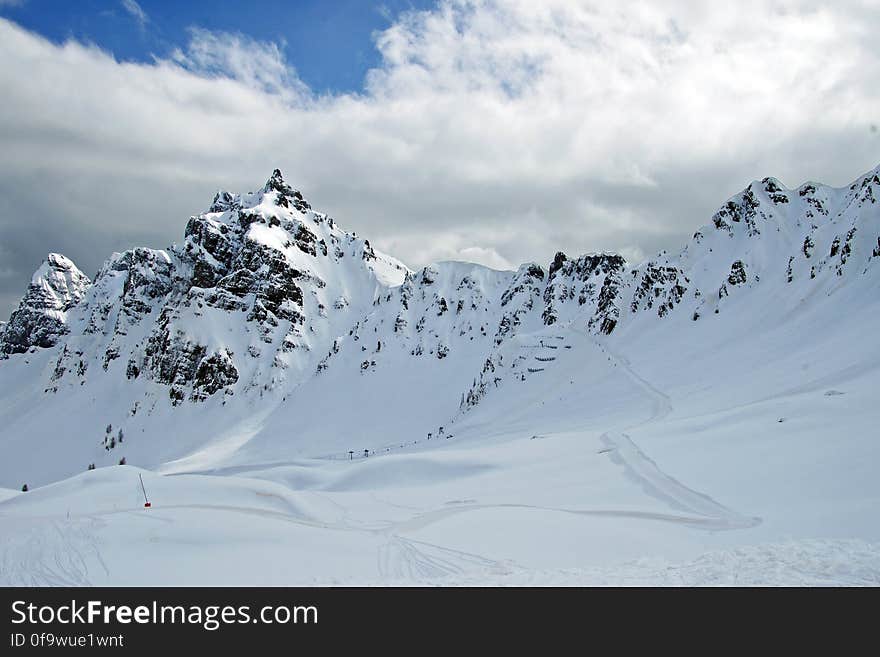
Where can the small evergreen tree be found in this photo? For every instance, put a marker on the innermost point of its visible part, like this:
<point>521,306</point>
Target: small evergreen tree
<point>113,443</point>
<point>122,461</point>
<point>91,466</point>
<point>120,436</point>
<point>24,489</point>
<point>109,428</point>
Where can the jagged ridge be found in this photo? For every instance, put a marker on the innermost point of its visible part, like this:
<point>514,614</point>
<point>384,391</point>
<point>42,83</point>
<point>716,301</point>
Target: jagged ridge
<point>264,292</point>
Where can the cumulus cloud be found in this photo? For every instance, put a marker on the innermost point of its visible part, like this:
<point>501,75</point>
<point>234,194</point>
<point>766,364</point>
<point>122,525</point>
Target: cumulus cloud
<point>257,65</point>
<point>497,131</point>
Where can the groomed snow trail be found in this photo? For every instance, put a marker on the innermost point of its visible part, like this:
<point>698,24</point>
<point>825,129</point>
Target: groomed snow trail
<point>642,469</point>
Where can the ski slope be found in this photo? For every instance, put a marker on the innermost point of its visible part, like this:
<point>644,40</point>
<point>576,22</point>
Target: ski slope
<point>627,491</point>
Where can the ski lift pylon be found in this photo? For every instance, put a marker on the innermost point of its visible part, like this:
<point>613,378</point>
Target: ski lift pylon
<point>147,504</point>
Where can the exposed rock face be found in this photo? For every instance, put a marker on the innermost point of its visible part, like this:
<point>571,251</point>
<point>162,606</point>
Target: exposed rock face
<point>246,284</point>
<point>520,299</point>
<point>659,286</point>
<point>737,273</point>
<point>41,318</point>
<point>287,196</point>
<point>214,373</point>
<point>741,209</point>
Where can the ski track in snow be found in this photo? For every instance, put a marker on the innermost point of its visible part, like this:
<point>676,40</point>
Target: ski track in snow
<point>425,519</point>
<point>814,562</point>
<point>642,469</point>
<point>407,559</point>
<point>54,553</point>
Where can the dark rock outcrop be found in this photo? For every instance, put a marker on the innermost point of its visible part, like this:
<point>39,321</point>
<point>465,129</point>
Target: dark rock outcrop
<point>41,318</point>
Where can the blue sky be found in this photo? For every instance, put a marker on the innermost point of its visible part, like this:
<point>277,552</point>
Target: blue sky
<point>328,43</point>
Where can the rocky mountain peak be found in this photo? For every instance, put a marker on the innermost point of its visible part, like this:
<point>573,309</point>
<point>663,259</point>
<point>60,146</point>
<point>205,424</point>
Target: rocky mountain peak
<point>287,195</point>
<point>558,261</point>
<point>41,318</point>
<point>248,300</point>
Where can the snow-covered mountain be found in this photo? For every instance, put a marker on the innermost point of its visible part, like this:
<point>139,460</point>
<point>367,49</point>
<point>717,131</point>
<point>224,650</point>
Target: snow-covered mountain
<point>271,339</point>
<point>41,318</point>
<point>258,284</point>
<point>265,295</point>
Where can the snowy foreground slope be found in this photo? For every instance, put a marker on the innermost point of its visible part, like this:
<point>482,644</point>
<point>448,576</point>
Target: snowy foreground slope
<point>707,417</point>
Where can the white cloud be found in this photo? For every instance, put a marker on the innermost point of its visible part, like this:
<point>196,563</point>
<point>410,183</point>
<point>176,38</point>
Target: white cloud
<point>633,254</point>
<point>498,131</point>
<point>258,65</point>
<point>489,257</point>
<point>135,11</point>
